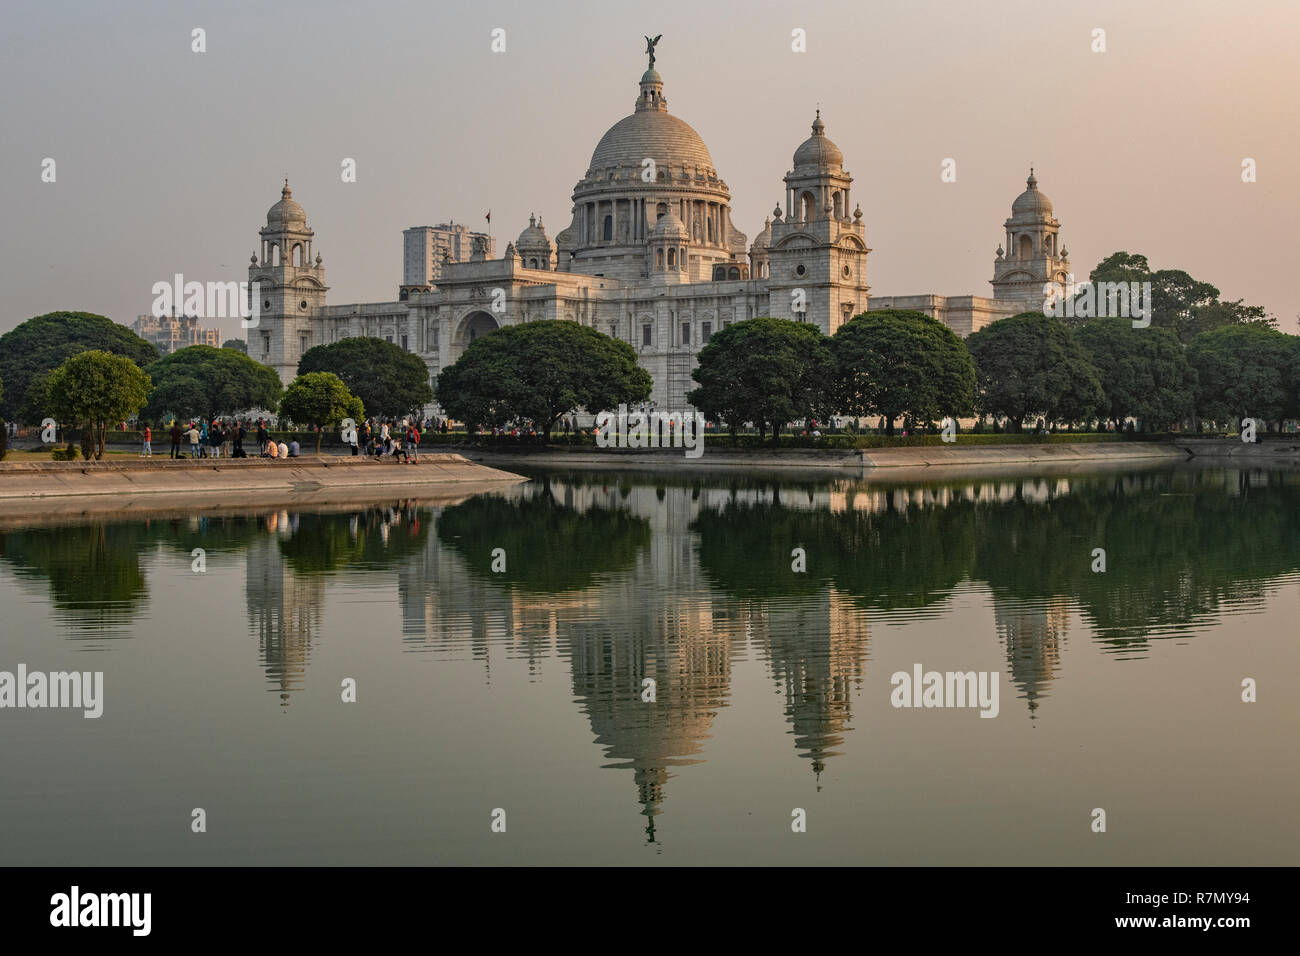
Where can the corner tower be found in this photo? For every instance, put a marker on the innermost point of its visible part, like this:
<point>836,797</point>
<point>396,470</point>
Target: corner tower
<point>291,286</point>
<point>817,255</point>
<point>1032,258</point>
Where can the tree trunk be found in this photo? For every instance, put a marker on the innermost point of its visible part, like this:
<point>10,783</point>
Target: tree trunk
<point>889,426</point>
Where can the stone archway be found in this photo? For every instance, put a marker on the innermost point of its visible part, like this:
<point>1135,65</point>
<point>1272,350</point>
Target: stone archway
<point>475,325</point>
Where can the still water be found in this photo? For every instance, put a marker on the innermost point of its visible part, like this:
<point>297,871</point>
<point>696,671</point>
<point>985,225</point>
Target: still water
<point>513,680</point>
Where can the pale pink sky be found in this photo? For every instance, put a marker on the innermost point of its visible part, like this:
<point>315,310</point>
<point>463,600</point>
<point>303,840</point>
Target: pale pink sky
<point>167,160</point>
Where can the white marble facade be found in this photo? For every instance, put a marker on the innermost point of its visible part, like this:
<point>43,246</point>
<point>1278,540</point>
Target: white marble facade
<point>650,256</point>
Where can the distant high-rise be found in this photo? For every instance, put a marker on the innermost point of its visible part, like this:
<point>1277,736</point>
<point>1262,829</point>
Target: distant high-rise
<point>425,248</point>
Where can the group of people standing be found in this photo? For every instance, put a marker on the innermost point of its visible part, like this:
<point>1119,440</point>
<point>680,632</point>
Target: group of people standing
<point>212,438</point>
<point>379,438</point>
<point>224,438</point>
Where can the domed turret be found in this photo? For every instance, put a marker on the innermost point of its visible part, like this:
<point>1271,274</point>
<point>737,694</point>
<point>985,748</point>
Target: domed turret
<point>535,247</point>
<point>670,227</point>
<point>1033,257</point>
<point>286,214</point>
<point>817,151</point>
<point>1031,202</point>
<point>668,242</point>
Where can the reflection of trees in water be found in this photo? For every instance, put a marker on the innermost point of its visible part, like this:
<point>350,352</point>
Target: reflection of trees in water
<point>287,566</point>
<point>549,547</point>
<point>93,571</point>
<point>372,538</point>
<point>1179,550</point>
<point>894,558</point>
<point>1181,547</point>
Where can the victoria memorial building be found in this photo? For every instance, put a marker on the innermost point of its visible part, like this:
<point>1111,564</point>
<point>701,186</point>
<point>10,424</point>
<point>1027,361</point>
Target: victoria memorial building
<point>651,256</point>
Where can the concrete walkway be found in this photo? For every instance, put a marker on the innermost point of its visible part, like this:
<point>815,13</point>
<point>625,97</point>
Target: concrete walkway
<point>223,477</point>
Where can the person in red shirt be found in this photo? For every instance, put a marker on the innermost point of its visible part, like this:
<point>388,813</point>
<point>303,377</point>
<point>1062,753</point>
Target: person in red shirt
<point>146,450</point>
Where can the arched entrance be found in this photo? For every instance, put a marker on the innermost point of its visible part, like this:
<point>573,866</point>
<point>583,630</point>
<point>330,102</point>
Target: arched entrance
<point>474,325</point>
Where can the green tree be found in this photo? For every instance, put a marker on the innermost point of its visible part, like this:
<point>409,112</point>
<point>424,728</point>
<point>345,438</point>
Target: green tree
<point>1245,371</point>
<point>1030,365</point>
<point>43,343</point>
<point>36,400</point>
<point>538,371</point>
<point>768,371</point>
<point>204,381</point>
<point>897,362</point>
<point>236,345</point>
<point>1144,372</point>
<point>389,380</point>
<point>320,399</point>
<point>1185,305</point>
<point>97,389</point>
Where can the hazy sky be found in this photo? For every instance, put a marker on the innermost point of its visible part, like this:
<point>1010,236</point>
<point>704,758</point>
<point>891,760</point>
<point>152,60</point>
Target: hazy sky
<point>167,160</point>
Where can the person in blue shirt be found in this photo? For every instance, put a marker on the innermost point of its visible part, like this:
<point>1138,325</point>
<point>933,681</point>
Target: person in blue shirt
<point>294,448</point>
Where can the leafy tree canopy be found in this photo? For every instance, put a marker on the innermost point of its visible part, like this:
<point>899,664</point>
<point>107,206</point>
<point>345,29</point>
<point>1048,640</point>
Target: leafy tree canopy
<point>1185,305</point>
<point>899,362</point>
<point>1144,372</point>
<point>97,390</point>
<point>764,370</point>
<point>1245,371</point>
<point>1029,365</point>
<point>538,371</point>
<point>202,381</point>
<point>320,399</point>
<point>43,343</point>
<point>237,345</point>
<point>389,380</point>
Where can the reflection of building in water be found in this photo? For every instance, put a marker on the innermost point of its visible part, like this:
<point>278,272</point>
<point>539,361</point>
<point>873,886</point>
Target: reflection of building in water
<point>870,497</point>
<point>817,649</point>
<point>689,660</point>
<point>284,611</point>
<point>1033,633</point>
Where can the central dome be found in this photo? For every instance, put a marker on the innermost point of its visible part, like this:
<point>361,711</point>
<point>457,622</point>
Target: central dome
<point>651,134</point>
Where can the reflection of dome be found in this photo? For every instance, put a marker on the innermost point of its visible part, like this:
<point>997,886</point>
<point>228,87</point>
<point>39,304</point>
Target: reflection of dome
<point>817,150</point>
<point>286,213</point>
<point>651,134</point>
<point>1031,201</point>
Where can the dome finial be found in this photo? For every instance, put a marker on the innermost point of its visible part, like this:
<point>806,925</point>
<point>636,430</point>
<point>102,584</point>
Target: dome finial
<point>650,48</point>
<point>1031,182</point>
<point>818,127</point>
